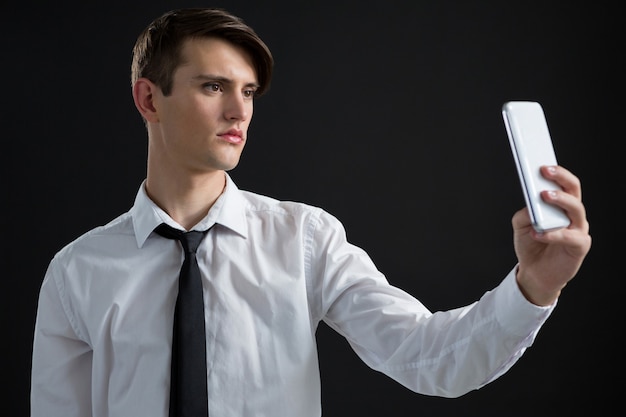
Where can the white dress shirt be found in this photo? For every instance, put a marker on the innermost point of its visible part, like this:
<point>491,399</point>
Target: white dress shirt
<point>271,270</point>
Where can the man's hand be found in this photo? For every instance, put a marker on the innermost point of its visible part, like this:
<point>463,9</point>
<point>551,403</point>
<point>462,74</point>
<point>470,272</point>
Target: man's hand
<point>549,260</point>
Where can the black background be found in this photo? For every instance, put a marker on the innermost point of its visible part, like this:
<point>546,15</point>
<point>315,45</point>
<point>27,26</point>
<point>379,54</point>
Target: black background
<point>387,114</point>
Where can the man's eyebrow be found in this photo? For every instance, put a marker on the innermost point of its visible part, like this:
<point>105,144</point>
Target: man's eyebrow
<point>209,77</point>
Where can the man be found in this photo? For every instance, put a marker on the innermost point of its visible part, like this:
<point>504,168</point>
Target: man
<point>271,270</point>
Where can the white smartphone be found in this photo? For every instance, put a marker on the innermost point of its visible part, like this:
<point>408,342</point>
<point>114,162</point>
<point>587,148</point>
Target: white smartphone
<point>532,147</point>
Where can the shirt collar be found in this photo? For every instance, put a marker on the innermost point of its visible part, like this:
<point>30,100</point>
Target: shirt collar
<point>229,211</point>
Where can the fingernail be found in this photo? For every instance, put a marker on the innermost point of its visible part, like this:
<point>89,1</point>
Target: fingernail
<point>552,194</point>
<point>552,169</point>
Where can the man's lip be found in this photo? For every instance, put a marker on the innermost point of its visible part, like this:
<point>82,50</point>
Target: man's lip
<point>232,132</point>
<point>232,135</point>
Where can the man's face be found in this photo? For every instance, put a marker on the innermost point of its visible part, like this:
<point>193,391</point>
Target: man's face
<point>202,126</point>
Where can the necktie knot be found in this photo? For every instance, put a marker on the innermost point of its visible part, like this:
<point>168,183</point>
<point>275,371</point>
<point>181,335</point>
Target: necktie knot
<point>190,240</point>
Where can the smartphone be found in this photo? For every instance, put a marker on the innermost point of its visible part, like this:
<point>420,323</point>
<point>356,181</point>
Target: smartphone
<point>532,147</point>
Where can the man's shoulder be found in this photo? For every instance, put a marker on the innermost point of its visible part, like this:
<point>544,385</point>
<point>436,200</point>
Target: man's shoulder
<point>256,202</point>
<point>293,215</point>
<point>99,237</point>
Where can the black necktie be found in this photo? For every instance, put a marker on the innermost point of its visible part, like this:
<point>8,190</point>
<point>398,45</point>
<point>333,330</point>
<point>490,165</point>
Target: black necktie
<point>188,389</point>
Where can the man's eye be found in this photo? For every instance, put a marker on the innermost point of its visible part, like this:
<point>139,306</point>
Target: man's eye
<point>212,87</point>
<point>249,93</point>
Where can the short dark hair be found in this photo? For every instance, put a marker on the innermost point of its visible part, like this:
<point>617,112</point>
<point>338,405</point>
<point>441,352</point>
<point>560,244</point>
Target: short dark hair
<point>157,51</point>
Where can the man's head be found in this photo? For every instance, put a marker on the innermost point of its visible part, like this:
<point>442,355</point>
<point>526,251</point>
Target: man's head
<point>157,52</point>
<point>195,75</point>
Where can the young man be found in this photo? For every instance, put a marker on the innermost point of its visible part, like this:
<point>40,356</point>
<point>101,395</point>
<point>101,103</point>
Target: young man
<point>271,270</point>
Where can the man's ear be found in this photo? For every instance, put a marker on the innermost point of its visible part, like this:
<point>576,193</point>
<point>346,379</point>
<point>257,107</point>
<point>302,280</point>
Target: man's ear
<point>143,95</point>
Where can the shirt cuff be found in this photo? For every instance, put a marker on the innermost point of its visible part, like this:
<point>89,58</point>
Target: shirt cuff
<point>514,312</point>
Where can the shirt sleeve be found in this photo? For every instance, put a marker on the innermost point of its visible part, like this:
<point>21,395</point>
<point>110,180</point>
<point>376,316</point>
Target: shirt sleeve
<point>445,353</point>
<point>61,362</point>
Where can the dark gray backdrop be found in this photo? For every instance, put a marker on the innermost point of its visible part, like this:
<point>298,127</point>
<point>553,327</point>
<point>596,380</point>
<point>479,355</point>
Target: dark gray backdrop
<point>386,114</point>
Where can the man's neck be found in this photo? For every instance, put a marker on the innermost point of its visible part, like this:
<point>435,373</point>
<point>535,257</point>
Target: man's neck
<point>187,201</point>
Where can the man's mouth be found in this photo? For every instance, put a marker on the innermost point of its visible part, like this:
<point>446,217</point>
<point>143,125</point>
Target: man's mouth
<point>234,136</point>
